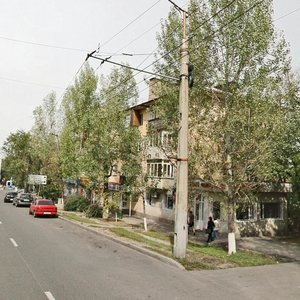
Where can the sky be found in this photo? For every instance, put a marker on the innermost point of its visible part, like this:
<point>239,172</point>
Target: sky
<point>43,44</point>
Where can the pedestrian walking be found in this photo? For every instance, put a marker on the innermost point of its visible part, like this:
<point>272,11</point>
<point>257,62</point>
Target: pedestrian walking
<point>191,219</point>
<point>210,230</point>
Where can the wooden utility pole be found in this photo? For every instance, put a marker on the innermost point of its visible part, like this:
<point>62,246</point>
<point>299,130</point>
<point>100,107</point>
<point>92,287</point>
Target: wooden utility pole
<point>181,229</point>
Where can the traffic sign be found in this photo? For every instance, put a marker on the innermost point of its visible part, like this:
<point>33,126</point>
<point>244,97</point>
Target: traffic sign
<point>37,179</point>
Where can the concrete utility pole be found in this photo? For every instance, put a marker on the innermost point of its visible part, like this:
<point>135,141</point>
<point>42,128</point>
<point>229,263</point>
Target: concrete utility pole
<point>181,229</point>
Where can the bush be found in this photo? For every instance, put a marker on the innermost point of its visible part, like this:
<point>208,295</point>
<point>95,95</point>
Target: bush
<point>112,206</point>
<point>94,211</point>
<point>50,191</point>
<point>76,203</point>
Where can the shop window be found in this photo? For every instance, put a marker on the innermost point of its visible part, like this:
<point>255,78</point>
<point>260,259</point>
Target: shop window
<point>271,210</point>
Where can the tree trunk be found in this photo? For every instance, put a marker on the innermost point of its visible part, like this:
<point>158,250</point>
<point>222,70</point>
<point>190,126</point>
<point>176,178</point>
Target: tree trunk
<point>231,229</point>
<point>105,213</point>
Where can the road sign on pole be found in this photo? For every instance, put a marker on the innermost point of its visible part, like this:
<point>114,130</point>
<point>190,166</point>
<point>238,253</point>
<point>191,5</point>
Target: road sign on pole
<point>37,179</point>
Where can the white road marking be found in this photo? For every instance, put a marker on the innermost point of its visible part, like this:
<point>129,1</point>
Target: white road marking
<point>13,242</point>
<point>49,296</point>
<point>0,222</point>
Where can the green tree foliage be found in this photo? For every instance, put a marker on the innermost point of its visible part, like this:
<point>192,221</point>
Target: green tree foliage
<point>117,140</point>
<point>18,158</point>
<point>45,145</point>
<point>97,136</point>
<point>240,108</point>
<point>79,105</point>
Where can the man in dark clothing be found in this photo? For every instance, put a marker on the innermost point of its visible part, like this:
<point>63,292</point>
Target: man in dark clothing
<point>191,218</point>
<point>210,229</point>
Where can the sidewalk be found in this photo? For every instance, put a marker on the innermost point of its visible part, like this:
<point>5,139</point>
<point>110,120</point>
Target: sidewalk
<point>285,247</point>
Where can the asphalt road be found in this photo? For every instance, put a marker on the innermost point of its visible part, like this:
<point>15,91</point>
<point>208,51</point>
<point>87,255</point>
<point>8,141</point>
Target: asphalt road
<point>47,258</point>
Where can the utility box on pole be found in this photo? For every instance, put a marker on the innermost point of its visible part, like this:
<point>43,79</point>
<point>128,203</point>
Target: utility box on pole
<point>181,229</point>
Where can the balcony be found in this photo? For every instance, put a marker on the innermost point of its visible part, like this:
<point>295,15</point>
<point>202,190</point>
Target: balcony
<point>161,183</point>
<point>155,123</point>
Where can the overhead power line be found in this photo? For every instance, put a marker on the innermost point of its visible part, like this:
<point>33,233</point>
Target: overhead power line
<point>78,70</point>
<point>139,16</point>
<point>103,60</point>
<point>203,23</point>
<point>177,7</point>
<point>65,48</point>
<point>213,33</point>
<point>31,83</point>
<point>42,45</point>
<point>291,12</point>
<point>172,50</point>
<point>106,42</point>
<point>152,53</point>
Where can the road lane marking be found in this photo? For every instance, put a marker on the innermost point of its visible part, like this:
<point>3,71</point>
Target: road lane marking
<point>0,222</point>
<point>13,242</point>
<point>49,296</point>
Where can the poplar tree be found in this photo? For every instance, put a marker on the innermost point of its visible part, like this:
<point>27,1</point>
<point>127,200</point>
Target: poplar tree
<point>45,145</point>
<point>239,107</point>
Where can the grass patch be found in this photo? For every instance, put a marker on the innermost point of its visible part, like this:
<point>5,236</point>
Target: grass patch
<point>198,257</point>
<point>157,235</point>
<point>138,238</point>
<point>242,258</point>
<point>75,217</point>
<point>246,258</point>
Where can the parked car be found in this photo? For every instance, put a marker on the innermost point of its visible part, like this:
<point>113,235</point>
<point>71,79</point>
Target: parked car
<point>23,199</point>
<point>43,207</point>
<point>9,197</point>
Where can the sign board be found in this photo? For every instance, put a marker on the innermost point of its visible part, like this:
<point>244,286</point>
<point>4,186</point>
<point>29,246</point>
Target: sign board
<point>37,179</point>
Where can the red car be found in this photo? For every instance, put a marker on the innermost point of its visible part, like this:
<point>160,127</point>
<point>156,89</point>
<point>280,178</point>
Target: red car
<point>43,207</point>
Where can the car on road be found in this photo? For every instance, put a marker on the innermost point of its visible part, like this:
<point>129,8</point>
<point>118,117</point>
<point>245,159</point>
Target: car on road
<point>43,207</point>
<point>23,199</point>
<point>9,197</point>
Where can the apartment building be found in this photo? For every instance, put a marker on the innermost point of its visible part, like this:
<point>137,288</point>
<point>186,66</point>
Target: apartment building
<point>267,216</point>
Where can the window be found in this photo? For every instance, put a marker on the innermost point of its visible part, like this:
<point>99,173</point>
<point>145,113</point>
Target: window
<point>137,118</point>
<point>141,118</point>
<point>152,115</point>
<point>165,139</point>
<point>245,212</point>
<point>160,139</point>
<point>45,202</point>
<point>169,201</point>
<point>152,197</point>
<point>125,200</point>
<point>271,210</point>
<point>154,139</point>
<point>161,169</point>
<point>216,210</point>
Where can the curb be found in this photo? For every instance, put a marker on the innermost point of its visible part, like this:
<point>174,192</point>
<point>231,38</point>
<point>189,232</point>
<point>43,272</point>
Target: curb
<point>150,253</point>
